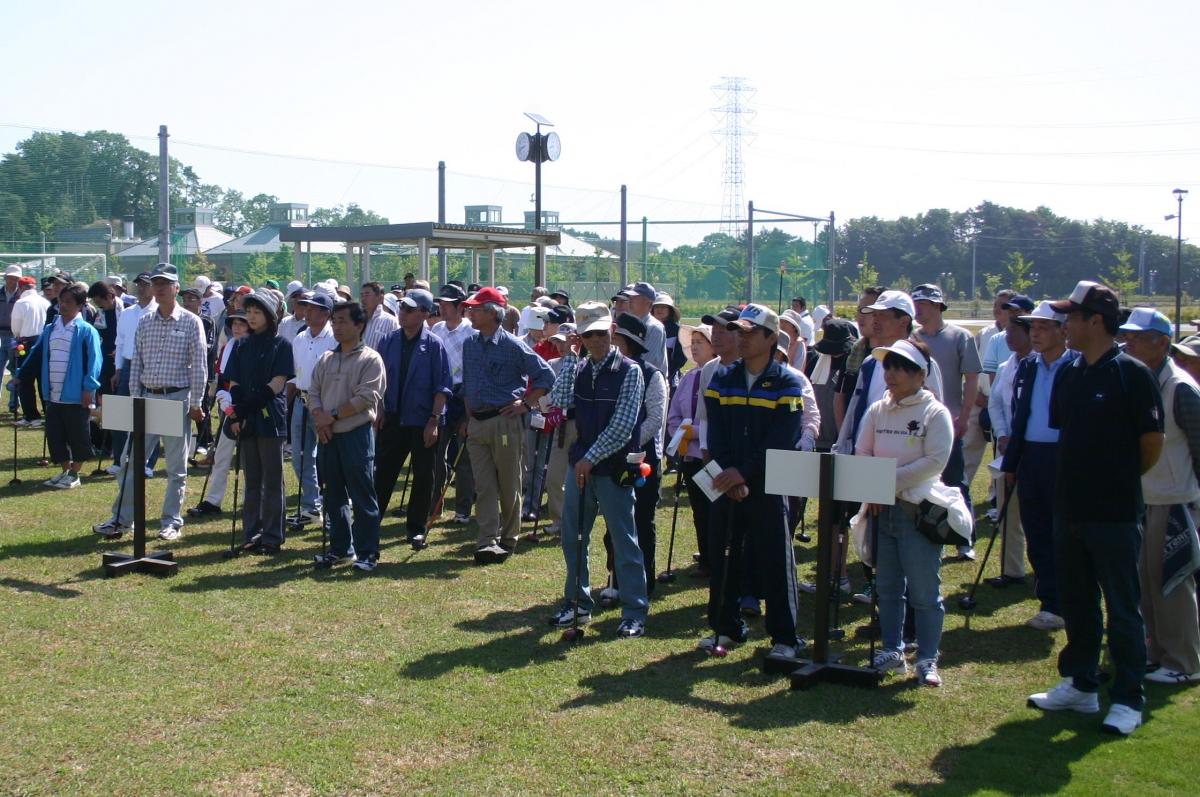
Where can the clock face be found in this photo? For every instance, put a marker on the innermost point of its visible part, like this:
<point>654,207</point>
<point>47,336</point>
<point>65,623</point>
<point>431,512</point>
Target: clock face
<point>524,145</point>
<point>553,146</point>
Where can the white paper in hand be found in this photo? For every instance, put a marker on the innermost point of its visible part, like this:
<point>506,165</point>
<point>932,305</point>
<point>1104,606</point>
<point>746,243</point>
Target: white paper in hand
<point>704,479</point>
<point>677,438</point>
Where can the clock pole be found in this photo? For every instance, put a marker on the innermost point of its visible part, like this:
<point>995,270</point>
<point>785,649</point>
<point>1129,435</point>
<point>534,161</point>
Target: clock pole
<point>539,264</point>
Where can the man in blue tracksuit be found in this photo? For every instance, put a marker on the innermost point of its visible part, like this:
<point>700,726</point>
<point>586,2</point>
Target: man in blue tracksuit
<point>753,405</point>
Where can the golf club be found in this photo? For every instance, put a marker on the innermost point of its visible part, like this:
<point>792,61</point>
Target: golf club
<point>436,510</point>
<point>967,602</point>
<point>402,508</point>
<point>15,480</point>
<point>575,632</point>
<point>216,442</point>
<point>537,494</point>
<point>668,576</point>
<point>234,549</point>
<point>44,461</point>
<point>873,523</point>
<point>836,631</point>
<point>124,460</point>
<point>296,522</point>
<point>719,650</point>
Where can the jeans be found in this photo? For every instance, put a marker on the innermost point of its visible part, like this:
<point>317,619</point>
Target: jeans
<point>347,464</point>
<point>647,497</point>
<point>616,504</point>
<point>906,560</point>
<point>304,458</point>
<point>1095,559</point>
<point>262,512</point>
<point>177,455</point>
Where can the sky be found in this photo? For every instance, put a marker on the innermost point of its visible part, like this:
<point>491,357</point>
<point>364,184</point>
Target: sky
<point>860,109</point>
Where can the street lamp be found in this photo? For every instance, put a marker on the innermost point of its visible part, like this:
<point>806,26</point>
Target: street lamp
<point>1178,216</point>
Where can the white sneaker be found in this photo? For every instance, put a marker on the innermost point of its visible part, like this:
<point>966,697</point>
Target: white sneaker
<point>992,514</point>
<point>21,423</point>
<point>113,470</point>
<point>1121,720</point>
<point>1066,696</point>
<point>169,533</point>
<point>110,528</point>
<point>1045,621</point>
<point>38,424</point>
<point>927,673</point>
<point>69,481</point>
<point>1164,676</point>
<point>149,473</point>
<point>54,480</point>
<point>783,651</point>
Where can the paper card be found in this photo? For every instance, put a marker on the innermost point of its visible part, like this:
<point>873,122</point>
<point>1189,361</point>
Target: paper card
<point>537,421</point>
<point>995,468</point>
<point>704,479</point>
<point>855,478</point>
<point>677,438</point>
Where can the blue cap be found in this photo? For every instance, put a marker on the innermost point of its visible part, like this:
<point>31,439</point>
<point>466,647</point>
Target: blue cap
<point>319,299</point>
<point>1020,302</point>
<point>165,271</point>
<point>418,298</point>
<point>1147,319</point>
<point>929,293</point>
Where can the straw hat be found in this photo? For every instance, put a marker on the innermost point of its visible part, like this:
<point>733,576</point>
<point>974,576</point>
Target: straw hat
<point>662,299</point>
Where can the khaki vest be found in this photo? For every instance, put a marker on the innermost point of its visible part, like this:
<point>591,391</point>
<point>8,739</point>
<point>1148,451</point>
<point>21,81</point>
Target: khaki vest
<point>1171,480</point>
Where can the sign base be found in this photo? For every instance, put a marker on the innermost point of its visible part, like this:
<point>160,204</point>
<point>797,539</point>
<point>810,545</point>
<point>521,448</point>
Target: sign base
<point>806,672</point>
<point>159,563</point>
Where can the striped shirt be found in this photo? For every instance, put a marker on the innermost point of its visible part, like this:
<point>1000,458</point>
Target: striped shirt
<point>381,324</point>
<point>629,403</point>
<point>170,352</point>
<point>61,336</point>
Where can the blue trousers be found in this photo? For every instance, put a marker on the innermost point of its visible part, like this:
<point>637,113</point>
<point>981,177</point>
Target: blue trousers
<point>1095,559</point>
<point>1036,476</point>
<point>347,467</point>
<point>908,574</point>
<point>304,457</point>
<point>601,493</point>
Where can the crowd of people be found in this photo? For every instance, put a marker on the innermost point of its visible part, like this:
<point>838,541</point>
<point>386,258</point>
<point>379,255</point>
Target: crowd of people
<point>1093,414</point>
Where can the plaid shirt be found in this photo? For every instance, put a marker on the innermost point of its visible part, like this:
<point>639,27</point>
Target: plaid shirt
<point>170,352</point>
<point>381,323</point>
<point>494,370</point>
<point>629,403</point>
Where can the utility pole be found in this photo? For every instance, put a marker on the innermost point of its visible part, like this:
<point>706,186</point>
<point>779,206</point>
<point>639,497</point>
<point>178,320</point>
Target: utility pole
<point>164,198</point>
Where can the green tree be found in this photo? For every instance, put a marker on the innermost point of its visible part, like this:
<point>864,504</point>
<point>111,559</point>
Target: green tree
<point>866,277</point>
<point>991,283</point>
<point>1122,276</point>
<point>1018,272</point>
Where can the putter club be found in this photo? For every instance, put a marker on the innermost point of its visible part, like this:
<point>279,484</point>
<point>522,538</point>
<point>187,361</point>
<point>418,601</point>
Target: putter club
<point>541,490</point>
<point>575,632</point>
<point>15,480</point>
<point>873,522</point>
<point>234,551</point>
<point>668,576</point>
<point>296,522</point>
<point>836,631</point>
<point>450,474</point>
<point>124,460</point>
<point>967,602</point>
<point>44,461</point>
<point>216,441</point>
<point>402,509</point>
<point>718,650</point>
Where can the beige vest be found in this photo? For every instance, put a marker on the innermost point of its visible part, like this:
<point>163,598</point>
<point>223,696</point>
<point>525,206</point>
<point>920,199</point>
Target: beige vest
<point>1171,480</point>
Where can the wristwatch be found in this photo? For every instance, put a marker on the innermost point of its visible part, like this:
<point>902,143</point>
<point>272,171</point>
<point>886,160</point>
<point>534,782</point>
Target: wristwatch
<point>334,414</point>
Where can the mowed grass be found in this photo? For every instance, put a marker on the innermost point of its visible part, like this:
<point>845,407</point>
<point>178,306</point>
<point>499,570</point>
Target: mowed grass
<point>258,676</point>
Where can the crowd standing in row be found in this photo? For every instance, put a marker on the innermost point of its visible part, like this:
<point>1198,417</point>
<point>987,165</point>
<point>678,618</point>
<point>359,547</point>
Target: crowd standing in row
<point>1097,445</point>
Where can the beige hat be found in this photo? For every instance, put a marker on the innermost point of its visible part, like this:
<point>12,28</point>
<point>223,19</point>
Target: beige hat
<point>662,299</point>
<point>592,317</point>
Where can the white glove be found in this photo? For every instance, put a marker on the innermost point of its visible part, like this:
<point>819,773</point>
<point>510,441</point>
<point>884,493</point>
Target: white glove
<point>224,400</point>
<point>807,442</point>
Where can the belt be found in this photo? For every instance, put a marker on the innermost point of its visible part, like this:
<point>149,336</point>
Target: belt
<point>484,415</point>
<point>162,391</point>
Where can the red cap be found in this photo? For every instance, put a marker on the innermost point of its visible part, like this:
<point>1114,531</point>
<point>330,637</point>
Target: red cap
<point>27,281</point>
<point>245,289</point>
<point>486,295</point>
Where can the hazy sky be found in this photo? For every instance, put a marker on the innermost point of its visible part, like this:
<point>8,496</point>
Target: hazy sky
<point>887,109</point>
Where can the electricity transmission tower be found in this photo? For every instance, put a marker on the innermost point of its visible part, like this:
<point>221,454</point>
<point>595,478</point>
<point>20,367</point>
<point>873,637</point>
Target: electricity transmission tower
<point>732,114</point>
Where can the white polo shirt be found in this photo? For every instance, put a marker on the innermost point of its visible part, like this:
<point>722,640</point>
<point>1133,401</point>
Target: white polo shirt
<point>306,350</point>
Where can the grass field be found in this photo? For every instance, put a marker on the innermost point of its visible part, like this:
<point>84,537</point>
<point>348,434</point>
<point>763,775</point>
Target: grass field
<point>258,676</point>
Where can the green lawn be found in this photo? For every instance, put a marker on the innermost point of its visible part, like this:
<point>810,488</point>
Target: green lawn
<point>257,676</point>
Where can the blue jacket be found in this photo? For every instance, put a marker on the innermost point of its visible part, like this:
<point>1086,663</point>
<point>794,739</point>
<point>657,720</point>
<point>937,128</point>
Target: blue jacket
<point>743,424</point>
<point>411,394</point>
<point>83,364</point>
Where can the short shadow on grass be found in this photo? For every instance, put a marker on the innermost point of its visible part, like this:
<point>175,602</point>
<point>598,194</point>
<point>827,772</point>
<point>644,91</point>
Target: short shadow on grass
<point>1033,755</point>
<point>1004,645</point>
<point>675,679</point>
<point>49,590</point>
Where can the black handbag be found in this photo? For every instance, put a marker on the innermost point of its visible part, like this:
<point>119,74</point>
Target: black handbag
<point>934,522</point>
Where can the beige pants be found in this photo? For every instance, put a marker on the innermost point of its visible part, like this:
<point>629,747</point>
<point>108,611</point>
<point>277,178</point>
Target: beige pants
<point>1174,638</point>
<point>974,447</point>
<point>495,447</point>
<point>1014,535</point>
<point>556,473</point>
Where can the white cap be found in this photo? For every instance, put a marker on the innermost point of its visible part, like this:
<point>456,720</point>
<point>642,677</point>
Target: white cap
<point>391,302</point>
<point>295,286</point>
<point>905,349</point>
<point>218,287</point>
<point>537,317</point>
<point>1044,312</point>
<point>12,271</point>
<point>201,283</point>
<point>503,290</point>
<point>819,314</point>
<point>893,300</point>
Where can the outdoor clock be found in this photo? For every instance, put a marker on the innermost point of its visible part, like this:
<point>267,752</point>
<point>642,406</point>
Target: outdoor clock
<point>524,146</point>
<point>553,146</point>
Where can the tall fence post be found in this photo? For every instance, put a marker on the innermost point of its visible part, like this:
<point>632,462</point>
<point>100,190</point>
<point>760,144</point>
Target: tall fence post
<point>624,240</point>
<point>750,253</point>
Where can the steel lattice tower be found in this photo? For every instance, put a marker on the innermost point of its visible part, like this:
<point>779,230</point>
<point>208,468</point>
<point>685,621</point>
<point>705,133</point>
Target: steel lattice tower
<point>734,111</point>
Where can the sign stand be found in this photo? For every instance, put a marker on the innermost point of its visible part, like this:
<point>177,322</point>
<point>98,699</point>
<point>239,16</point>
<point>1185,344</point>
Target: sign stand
<point>126,413</point>
<point>810,475</point>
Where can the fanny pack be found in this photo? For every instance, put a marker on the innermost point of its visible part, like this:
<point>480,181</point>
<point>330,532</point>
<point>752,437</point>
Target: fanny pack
<point>933,521</point>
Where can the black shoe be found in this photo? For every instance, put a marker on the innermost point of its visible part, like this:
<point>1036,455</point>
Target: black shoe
<point>417,541</point>
<point>1000,582</point>
<point>509,545</point>
<point>529,517</point>
<point>204,508</point>
<point>265,549</point>
<point>491,555</point>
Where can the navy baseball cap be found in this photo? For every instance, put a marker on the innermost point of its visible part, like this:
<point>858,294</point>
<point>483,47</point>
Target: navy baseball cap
<point>418,298</point>
<point>318,299</point>
<point>929,293</point>
<point>451,293</point>
<point>1019,302</point>
<point>165,271</point>
<point>730,313</point>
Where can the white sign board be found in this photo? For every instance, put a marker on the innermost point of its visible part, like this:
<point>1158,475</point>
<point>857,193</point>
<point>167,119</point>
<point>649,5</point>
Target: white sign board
<point>163,416</point>
<point>855,478</point>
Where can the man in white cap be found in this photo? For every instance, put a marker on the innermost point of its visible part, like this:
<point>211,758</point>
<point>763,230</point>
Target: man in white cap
<point>118,286</point>
<point>307,348</point>
<point>293,322</point>
<point>12,275</point>
<point>1171,489</point>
